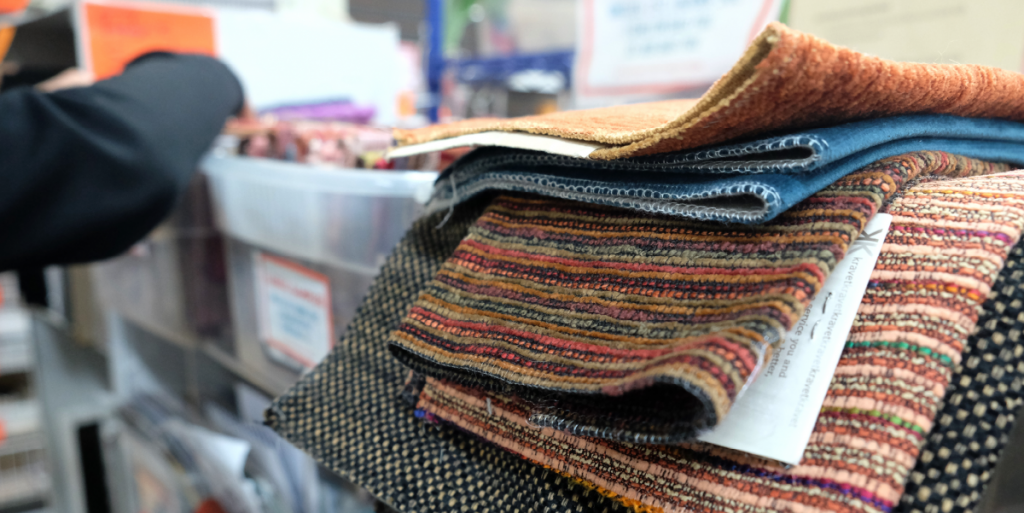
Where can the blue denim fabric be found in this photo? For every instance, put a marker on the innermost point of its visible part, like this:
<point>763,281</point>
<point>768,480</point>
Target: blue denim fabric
<point>813,149</point>
<point>744,183</point>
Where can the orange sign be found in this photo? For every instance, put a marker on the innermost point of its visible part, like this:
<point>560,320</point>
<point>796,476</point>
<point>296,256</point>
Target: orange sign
<point>114,34</point>
<point>9,6</point>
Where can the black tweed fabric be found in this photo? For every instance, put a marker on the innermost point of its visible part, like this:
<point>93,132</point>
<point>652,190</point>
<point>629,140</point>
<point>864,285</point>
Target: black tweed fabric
<point>347,413</point>
<point>974,422</point>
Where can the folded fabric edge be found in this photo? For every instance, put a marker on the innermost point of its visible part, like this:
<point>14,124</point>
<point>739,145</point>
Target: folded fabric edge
<point>746,206</point>
<point>416,384</point>
<point>441,416</point>
<point>744,202</point>
<point>792,153</point>
<point>706,419</point>
<point>722,92</point>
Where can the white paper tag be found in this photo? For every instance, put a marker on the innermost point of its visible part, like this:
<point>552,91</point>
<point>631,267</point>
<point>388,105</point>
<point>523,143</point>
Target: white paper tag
<point>517,140</point>
<point>294,311</point>
<point>775,416</point>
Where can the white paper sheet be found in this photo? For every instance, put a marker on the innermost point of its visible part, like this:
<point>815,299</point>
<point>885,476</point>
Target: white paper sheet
<point>521,141</point>
<point>291,59</point>
<point>775,416</point>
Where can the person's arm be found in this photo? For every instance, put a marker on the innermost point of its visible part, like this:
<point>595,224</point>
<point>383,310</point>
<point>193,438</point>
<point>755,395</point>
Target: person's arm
<point>87,172</point>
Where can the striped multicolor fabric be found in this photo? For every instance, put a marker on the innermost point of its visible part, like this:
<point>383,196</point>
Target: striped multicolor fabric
<point>948,242</point>
<point>630,327</point>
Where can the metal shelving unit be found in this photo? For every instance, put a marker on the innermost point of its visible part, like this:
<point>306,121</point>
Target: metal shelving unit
<point>74,392</point>
<point>24,478</point>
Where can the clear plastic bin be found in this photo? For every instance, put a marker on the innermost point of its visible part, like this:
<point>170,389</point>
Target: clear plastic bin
<point>347,291</point>
<point>344,218</point>
<point>174,282</point>
<point>330,225</point>
<point>15,340</point>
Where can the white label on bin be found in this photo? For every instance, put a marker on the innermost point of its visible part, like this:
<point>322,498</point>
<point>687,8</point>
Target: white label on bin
<point>294,310</point>
<point>785,399</point>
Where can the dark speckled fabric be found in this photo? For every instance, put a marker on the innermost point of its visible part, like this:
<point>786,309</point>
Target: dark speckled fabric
<point>978,412</point>
<point>348,413</point>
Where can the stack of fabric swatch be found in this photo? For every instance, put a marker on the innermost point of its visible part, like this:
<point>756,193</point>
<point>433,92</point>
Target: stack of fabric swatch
<point>584,301</point>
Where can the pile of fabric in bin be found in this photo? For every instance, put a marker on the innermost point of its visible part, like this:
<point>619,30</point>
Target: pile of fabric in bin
<point>598,301</point>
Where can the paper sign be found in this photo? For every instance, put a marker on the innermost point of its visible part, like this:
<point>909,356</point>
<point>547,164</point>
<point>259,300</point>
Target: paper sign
<point>113,34</point>
<point>646,48</point>
<point>775,416</point>
<point>294,311</point>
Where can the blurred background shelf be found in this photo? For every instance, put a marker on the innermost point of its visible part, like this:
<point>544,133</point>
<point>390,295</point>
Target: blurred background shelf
<point>24,477</point>
<point>263,383</point>
<point>15,342</point>
<point>22,443</point>
<point>24,480</point>
<point>504,69</point>
<point>174,331</point>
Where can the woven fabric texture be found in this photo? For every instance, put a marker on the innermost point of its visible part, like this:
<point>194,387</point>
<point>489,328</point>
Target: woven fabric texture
<point>628,327</point>
<point>749,183</point>
<point>786,80</point>
<point>947,244</point>
<point>974,422</point>
<point>347,414</point>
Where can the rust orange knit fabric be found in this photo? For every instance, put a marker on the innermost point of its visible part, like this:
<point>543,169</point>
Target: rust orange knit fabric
<point>785,80</point>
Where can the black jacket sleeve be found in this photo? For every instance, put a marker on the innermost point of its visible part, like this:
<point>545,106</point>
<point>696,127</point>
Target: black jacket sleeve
<point>85,173</point>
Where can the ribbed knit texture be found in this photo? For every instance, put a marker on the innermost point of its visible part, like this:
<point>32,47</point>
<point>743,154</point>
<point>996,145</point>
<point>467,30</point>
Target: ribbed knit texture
<point>630,327</point>
<point>948,242</point>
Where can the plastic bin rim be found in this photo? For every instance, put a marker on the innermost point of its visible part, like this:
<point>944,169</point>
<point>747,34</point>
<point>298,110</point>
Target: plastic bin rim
<point>320,179</point>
